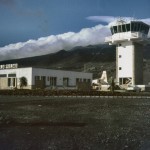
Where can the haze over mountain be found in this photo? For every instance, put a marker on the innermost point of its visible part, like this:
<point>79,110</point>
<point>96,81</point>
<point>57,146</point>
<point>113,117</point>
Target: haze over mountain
<point>55,43</point>
<point>77,55</point>
<point>92,58</point>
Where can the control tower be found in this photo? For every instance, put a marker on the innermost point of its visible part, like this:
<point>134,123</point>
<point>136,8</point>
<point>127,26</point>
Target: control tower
<point>129,38</point>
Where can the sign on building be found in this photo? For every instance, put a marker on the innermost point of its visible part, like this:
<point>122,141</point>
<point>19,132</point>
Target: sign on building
<point>9,66</point>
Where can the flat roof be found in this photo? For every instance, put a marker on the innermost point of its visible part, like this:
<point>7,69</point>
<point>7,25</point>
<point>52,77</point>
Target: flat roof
<point>44,69</point>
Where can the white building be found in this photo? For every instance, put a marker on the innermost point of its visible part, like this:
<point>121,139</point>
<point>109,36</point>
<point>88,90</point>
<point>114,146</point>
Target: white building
<point>41,78</point>
<point>129,38</point>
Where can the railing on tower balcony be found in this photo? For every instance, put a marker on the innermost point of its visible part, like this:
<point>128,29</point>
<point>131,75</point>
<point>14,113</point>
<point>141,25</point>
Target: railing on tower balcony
<point>125,36</point>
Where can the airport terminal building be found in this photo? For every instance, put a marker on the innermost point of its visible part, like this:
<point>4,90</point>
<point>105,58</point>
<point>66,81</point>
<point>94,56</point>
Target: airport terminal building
<point>39,78</point>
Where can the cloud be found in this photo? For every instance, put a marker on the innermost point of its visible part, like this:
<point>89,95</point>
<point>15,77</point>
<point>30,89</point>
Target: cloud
<point>112,19</point>
<point>54,43</point>
<point>106,19</point>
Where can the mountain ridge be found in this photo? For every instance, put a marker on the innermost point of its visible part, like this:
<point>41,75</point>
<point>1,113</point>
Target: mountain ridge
<point>92,58</point>
<point>78,54</point>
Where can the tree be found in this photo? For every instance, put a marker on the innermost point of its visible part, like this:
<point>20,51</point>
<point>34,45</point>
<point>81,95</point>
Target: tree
<point>112,85</point>
<point>23,82</point>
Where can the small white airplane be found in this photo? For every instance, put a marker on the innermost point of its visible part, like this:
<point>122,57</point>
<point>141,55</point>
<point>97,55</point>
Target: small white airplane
<point>101,83</point>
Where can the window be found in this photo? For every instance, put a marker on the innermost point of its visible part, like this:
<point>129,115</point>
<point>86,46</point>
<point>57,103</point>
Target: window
<point>147,29</point>
<point>84,80</point>
<point>65,81</point>
<point>123,28</point>
<point>53,81</point>
<point>77,80</point>
<point>120,68</point>
<point>37,77</point>
<point>135,26</point>
<point>11,82</point>
<point>128,27</point>
<point>132,26</point>
<point>125,80</point>
<point>3,75</point>
<point>115,29</point>
<point>119,29</point>
<point>138,27</point>
<point>142,28</point>
<point>120,81</point>
<point>89,80</point>
<point>43,78</point>
<point>112,32</point>
<point>11,75</point>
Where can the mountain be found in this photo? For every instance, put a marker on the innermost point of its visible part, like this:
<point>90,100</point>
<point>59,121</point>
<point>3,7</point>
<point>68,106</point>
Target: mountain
<point>92,58</point>
<point>71,59</point>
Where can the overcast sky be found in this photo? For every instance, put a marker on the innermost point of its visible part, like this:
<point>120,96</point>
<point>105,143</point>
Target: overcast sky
<point>44,26</point>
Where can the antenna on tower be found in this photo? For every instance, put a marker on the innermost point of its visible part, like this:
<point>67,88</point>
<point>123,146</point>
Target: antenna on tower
<point>133,17</point>
<point>120,20</point>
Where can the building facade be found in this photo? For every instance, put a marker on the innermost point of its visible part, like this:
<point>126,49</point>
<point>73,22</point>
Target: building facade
<point>42,78</point>
<point>129,38</point>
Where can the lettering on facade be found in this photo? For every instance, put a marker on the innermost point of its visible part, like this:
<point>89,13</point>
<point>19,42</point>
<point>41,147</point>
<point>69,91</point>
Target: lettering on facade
<point>9,66</point>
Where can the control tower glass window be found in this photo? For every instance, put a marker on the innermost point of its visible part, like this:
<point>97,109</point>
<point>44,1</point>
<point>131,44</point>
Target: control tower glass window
<point>147,29</point>
<point>134,26</point>
<point>112,32</point>
<point>119,29</point>
<point>123,28</point>
<point>143,28</point>
<point>115,29</point>
<point>138,26</point>
<point>128,27</point>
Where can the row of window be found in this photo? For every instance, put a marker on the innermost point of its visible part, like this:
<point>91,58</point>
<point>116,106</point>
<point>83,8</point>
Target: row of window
<point>11,79</point>
<point>53,80</point>
<point>133,26</point>
<point>9,75</point>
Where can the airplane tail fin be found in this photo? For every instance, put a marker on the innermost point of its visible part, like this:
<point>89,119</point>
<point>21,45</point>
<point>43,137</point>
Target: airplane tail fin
<point>104,76</point>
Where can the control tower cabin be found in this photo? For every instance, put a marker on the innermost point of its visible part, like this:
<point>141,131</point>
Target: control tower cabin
<point>129,39</point>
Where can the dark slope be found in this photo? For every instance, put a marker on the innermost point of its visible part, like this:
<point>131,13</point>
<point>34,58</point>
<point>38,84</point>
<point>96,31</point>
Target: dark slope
<point>92,58</point>
<point>68,59</point>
